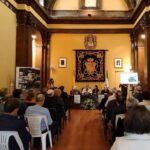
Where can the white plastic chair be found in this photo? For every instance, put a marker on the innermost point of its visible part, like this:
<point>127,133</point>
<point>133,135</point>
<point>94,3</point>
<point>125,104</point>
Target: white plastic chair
<point>34,123</point>
<point>4,139</point>
<point>121,116</point>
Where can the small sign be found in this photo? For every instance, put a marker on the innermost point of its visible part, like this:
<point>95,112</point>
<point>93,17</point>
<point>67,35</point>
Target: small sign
<point>77,99</point>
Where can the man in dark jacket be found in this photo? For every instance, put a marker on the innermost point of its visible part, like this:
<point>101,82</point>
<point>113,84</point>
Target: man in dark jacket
<point>9,122</point>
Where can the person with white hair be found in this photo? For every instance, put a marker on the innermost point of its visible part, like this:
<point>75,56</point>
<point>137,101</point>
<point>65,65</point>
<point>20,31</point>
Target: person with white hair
<point>39,110</point>
<point>112,97</point>
<point>50,92</point>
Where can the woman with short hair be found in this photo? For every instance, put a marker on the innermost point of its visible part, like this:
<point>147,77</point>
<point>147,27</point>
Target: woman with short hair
<point>137,129</point>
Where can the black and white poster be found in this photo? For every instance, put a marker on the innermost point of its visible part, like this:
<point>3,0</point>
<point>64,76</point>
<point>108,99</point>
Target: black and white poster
<point>26,77</point>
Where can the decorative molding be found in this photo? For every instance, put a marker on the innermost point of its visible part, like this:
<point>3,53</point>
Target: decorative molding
<point>44,13</point>
<point>9,5</point>
<point>28,19</point>
<point>83,16</point>
<point>98,17</point>
<point>27,2</point>
<point>143,23</point>
<point>93,31</point>
<point>25,18</point>
<point>131,4</point>
<point>138,10</point>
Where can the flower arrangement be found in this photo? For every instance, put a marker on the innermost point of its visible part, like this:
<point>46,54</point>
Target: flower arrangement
<point>88,104</point>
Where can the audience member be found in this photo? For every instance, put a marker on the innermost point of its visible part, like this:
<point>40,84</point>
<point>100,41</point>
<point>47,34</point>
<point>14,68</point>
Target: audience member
<point>50,93</point>
<point>111,97</point>
<point>30,98</point>
<point>64,96</point>
<point>137,129</point>
<point>105,90</point>
<point>50,84</point>
<point>55,105</point>
<point>130,102</point>
<point>59,101</point>
<point>103,101</point>
<point>146,100</point>
<point>138,94</point>
<point>9,122</point>
<point>124,89</point>
<point>39,110</point>
<point>17,94</point>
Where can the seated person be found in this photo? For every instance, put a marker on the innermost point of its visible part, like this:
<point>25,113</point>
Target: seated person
<point>74,91</point>
<point>39,110</point>
<point>64,96</point>
<point>138,93</point>
<point>146,100</point>
<point>87,90</point>
<point>17,94</point>
<point>111,97</point>
<point>137,129</point>
<point>59,101</point>
<point>9,122</point>
<point>105,90</point>
<point>96,90</point>
<point>30,98</point>
<point>50,84</point>
<point>124,89</point>
<point>102,103</point>
<point>54,101</point>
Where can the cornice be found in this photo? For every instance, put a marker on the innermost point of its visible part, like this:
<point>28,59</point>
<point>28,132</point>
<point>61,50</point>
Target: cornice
<point>84,16</point>
<point>35,5</point>
<point>9,5</point>
<point>142,24</point>
<point>25,17</point>
<point>28,19</point>
<point>101,31</point>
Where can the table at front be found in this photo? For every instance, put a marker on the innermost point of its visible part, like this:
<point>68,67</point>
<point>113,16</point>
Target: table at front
<point>84,100</point>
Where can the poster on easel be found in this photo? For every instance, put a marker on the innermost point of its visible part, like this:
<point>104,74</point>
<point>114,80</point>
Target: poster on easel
<point>26,77</point>
<point>129,78</point>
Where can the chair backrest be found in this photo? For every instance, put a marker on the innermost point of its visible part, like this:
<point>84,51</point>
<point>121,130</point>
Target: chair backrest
<point>121,116</point>
<point>4,139</point>
<point>34,123</point>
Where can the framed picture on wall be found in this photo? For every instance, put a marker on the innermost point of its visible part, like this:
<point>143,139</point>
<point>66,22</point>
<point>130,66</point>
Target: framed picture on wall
<point>118,63</point>
<point>62,62</point>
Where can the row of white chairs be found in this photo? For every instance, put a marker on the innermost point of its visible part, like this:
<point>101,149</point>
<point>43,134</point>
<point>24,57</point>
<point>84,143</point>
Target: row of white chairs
<point>34,126</point>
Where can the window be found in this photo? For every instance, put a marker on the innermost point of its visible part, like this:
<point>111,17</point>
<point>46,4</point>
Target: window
<point>41,2</point>
<point>89,4</point>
